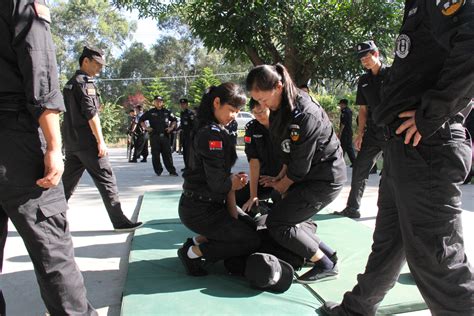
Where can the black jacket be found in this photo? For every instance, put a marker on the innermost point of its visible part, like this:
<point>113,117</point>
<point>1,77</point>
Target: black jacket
<point>213,155</point>
<point>28,69</point>
<point>433,70</point>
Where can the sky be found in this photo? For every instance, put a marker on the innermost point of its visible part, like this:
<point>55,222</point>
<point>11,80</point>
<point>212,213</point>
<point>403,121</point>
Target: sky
<point>147,32</point>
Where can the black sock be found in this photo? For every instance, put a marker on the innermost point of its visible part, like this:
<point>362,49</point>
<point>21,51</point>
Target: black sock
<point>326,249</point>
<point>324,263</point>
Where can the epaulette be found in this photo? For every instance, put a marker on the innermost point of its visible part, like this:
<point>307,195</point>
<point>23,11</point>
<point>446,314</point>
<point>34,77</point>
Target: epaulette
<point>296,112</point>
<point>214,127</point>
<point>249,124</point>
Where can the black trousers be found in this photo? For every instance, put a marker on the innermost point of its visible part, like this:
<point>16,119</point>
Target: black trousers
<point>103,176</point>
<point>347,147</point>
<point>419,222</point>
<point>228,237</point>
<point>39,216</point>
<point>160,145</point>
<point>141,146</point>
<point>288,218</point>
<point>365,161</point>
<point>186,143</point>
<point>243,195</point>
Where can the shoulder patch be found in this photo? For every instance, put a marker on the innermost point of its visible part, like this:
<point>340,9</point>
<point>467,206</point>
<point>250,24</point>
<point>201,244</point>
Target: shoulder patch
<point>215,145</point>
<point>247,139</point>
<point>42,11</point>
<point>68,86</point>
<point>294,132</point>
<point>91,91</point>
<point>450,7</point>
<point>215,128</point>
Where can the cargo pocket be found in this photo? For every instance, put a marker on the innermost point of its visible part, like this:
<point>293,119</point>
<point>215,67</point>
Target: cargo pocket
<point>53,221</point>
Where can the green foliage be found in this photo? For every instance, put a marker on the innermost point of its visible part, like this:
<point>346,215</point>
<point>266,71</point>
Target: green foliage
<point>204,81</point>
<point>80,22</point>
<point>314,39</point>
<point>113,121</point>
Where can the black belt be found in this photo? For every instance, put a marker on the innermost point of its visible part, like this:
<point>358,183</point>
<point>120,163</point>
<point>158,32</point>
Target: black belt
<point>201,197</point>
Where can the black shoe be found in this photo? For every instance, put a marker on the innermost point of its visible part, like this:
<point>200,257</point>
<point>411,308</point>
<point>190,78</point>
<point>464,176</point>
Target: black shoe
<point>332,309</point>
<point>143,160</point>
<point>192,266</point>
<point>333,258</point>
<point>350,212</point>
<point>158,173</point>
<point>133,160</point>
<point>128,227</point>
<point>317,274</point>
<point>174,174</point>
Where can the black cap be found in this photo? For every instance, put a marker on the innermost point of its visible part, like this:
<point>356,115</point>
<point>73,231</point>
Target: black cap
<point>94,53</point>
<point>183,100</point>
<point>267,272</point>
<point>158,97</point>
<point>363,48</point>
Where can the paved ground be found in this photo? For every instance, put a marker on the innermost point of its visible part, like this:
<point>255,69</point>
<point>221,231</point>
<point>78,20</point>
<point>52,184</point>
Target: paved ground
<point>102,255</point>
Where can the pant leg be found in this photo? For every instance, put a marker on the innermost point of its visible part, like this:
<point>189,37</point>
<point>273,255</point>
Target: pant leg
<point>138,148</point>
<point>429,201</point>
<point>387,256</point>
<point>166,153</point>
<point>228,237</point>
<point>3,239</point>
<point>155,153</point>
<point>347,147</point>
<point>302,202</point>
<point>103,176</point>
<point>39,216</point>
<point>184,141</point>
<point>73,170</point>
<point>365,161</point>
<point>144,152</point>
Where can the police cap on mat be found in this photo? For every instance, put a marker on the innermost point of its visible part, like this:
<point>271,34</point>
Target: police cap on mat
<point>267,272</point>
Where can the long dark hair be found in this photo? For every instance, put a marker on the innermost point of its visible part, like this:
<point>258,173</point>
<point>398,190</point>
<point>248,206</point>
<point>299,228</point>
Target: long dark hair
<point>227,92</point>
<point>267,77</point>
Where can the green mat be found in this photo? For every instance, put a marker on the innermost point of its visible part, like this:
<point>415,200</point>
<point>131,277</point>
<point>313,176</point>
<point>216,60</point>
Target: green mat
<point>158,285</point>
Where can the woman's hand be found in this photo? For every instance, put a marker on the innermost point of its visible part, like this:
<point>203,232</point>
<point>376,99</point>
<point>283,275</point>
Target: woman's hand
<point>238,181</point>
<point>248,205</point>
<point>267,181</point>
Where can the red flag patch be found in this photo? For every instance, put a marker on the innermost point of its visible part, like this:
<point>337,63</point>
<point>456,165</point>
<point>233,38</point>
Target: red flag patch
<point>215,145</point>
<point>247,139</point>
<point>42,12</point>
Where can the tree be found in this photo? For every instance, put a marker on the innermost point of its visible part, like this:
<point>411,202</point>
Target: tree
<point>204,81</point>
<point>93,22</point>
<point>314,39</point>
<point>137,62</point>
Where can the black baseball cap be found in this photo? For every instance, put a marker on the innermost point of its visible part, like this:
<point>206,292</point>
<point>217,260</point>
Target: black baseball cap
<point>267,272</point>
<point>94,53</point>
<point>183,100</point>
<point>363,48</point>
<point>158,97</point>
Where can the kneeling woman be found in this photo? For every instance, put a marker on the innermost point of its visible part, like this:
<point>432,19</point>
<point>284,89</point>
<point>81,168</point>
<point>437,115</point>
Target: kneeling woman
<point>315,167</point>
<point>207,205</point>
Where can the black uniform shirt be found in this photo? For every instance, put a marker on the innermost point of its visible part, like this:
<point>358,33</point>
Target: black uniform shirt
<point>187,121</point>
<point>313,150</point>
<point>369,91</point>
<point>159,119</point>
<point>258,145</point>
<point>213,157</point>
<point>82,103</point>
<point>346,120</point>
<point>28,69</point>
<point>433,70</point>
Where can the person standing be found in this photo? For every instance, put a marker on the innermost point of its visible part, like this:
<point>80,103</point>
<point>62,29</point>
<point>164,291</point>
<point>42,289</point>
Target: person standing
<point>370,138</point>
<point>187,124</point>
<point>426,158</point>
<point>31,194</point>
<point>141,137</point>
<point>162,123</point>
<point>84,143</point>
<point>345,130</point>
<point>315,169</point>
